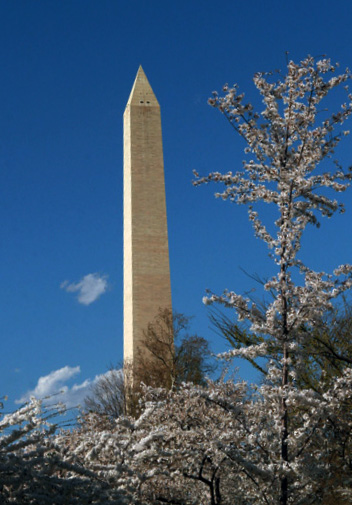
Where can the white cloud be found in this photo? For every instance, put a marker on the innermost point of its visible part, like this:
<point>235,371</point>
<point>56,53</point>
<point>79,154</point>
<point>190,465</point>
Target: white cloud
<point>51,384</point>
<point>89,288</point>
<point>74,396</point>
<point>54,382</point>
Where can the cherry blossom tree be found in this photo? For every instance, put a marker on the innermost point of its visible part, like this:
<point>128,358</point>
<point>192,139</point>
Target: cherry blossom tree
<point>37,467</point>
<point>327,347</point>
<point>291,166</point>
<point>219,445</point>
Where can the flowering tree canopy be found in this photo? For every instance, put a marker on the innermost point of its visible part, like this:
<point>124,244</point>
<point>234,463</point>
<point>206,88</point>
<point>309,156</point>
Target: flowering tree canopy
<point>38,467</point>
<point>288,148</point>
<point>291,167</point>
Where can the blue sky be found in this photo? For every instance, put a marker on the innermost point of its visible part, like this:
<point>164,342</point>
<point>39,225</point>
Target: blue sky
<point>67,69</point>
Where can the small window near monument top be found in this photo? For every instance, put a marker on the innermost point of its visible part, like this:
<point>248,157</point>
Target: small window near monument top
<point>141,101</point>
<point>147,101</point>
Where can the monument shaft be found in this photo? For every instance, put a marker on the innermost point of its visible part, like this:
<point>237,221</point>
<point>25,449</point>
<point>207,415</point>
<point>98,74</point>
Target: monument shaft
<point>146,254</point>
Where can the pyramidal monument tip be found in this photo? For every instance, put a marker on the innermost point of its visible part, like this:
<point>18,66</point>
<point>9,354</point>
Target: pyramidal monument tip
<point>142,92</point>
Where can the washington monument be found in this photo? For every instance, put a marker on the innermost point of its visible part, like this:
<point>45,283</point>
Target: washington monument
<point>146,252</point>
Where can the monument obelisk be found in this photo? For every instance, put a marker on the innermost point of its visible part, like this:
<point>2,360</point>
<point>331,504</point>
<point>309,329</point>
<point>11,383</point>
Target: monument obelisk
<point>146,252</point>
